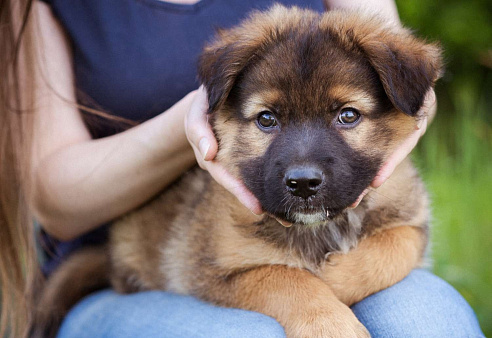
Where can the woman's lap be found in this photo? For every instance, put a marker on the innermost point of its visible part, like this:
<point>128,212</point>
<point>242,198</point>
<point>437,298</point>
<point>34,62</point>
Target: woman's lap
<point>162,314</point>
<point>422,305</point>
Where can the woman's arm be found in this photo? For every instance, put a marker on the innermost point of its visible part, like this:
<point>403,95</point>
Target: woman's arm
<point>79,183</point>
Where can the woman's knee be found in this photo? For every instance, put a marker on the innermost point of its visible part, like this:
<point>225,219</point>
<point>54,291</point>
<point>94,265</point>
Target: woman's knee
<point>421,305</point>
<point>161,314</point>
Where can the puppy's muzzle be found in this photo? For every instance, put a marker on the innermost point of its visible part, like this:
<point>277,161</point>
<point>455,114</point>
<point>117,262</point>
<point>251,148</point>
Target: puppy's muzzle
<point>303,181</point>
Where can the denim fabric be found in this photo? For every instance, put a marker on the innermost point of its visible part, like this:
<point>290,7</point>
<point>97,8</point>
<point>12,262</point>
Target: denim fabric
<point>161,314</point>
<point>422,305</point>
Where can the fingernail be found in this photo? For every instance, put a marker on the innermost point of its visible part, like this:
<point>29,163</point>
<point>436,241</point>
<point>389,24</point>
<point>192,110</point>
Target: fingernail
<point>359,199</point>
<point>285,224</point>
<point>204,146</point>
<point>255,213</point>
<point>378,181</point>
<point>355,204</point>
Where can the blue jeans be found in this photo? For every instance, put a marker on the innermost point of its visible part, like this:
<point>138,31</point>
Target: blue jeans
<point>422,305</point>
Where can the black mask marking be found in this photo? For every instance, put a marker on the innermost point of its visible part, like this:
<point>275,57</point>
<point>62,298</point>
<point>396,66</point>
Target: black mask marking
<point>346,172</point>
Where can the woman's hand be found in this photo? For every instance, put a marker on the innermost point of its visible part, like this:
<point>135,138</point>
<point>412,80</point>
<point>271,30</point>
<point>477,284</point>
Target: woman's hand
<point>204,144</point>
<point>427,111</point>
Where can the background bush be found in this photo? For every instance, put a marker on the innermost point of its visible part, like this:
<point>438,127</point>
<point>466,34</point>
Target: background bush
<point>455,155</point>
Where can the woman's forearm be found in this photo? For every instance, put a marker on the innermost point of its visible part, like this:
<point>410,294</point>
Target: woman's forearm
<point>77,183</point>
<point>89,183</point>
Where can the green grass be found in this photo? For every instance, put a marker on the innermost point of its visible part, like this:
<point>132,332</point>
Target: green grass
<point>455,159</point>
<point>462,240</point>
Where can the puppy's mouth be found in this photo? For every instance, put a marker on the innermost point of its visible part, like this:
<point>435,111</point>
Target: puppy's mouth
<point>308,217</point>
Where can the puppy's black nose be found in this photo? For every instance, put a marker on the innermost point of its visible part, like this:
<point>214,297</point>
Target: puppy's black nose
<point>303,181</point>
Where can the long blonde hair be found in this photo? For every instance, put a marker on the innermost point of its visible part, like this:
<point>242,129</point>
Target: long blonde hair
<point>19,269</point>
<point>20,276</point>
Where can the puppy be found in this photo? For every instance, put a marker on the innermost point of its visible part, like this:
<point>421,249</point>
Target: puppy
<point>306,107</point>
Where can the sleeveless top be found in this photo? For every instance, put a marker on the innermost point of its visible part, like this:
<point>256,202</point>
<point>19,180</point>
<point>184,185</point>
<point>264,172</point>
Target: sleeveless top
<point>135,59</point>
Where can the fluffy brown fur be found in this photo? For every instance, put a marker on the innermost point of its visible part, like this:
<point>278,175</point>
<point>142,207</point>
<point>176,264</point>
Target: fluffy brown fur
<point>304,69</point>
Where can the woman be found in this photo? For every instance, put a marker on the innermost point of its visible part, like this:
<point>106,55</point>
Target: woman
<point>135,59</point>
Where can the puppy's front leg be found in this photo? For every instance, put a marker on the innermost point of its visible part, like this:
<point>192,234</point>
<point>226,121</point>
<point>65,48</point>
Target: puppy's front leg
<point>378,262</point>
<point>300,301</point>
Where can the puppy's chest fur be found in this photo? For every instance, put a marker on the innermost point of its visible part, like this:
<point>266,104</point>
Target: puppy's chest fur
<point>315,243</point>
<point>176,243</point>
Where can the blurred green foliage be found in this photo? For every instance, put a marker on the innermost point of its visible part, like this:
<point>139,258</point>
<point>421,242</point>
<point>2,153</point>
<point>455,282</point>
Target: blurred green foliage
<point>455,156</point>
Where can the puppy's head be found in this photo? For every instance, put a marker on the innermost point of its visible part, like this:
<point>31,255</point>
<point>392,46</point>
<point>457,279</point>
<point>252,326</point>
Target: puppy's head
<point>306,107</point>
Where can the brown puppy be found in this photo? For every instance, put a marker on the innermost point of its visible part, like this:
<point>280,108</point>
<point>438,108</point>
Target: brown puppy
<point>306,107</point>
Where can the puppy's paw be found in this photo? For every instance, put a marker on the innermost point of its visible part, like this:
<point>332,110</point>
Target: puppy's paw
<point>336,323</point>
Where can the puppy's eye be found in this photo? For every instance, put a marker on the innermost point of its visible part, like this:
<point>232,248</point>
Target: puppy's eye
<point>266,120</point>
<point>348,116</point>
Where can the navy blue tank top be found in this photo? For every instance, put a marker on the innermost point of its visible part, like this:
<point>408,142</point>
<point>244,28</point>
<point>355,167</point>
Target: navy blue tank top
<point>135,59</point>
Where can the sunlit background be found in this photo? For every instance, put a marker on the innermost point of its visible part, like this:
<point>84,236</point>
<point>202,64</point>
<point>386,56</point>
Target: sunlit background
<point>455,155</point>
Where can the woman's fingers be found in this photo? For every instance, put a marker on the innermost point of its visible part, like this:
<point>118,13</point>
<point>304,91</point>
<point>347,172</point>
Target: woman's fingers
<point>394,160</point>
<point>403,150</point>
<point>234,186</point>
<point>198,130</point>
<point>428,109</point>
<point>204,144</point>
<point>399,155</point>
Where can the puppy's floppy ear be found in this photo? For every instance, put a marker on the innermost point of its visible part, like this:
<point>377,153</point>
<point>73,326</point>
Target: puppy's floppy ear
<point>222,62</point>
<point>223,59</point>
<point>407,67</point>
